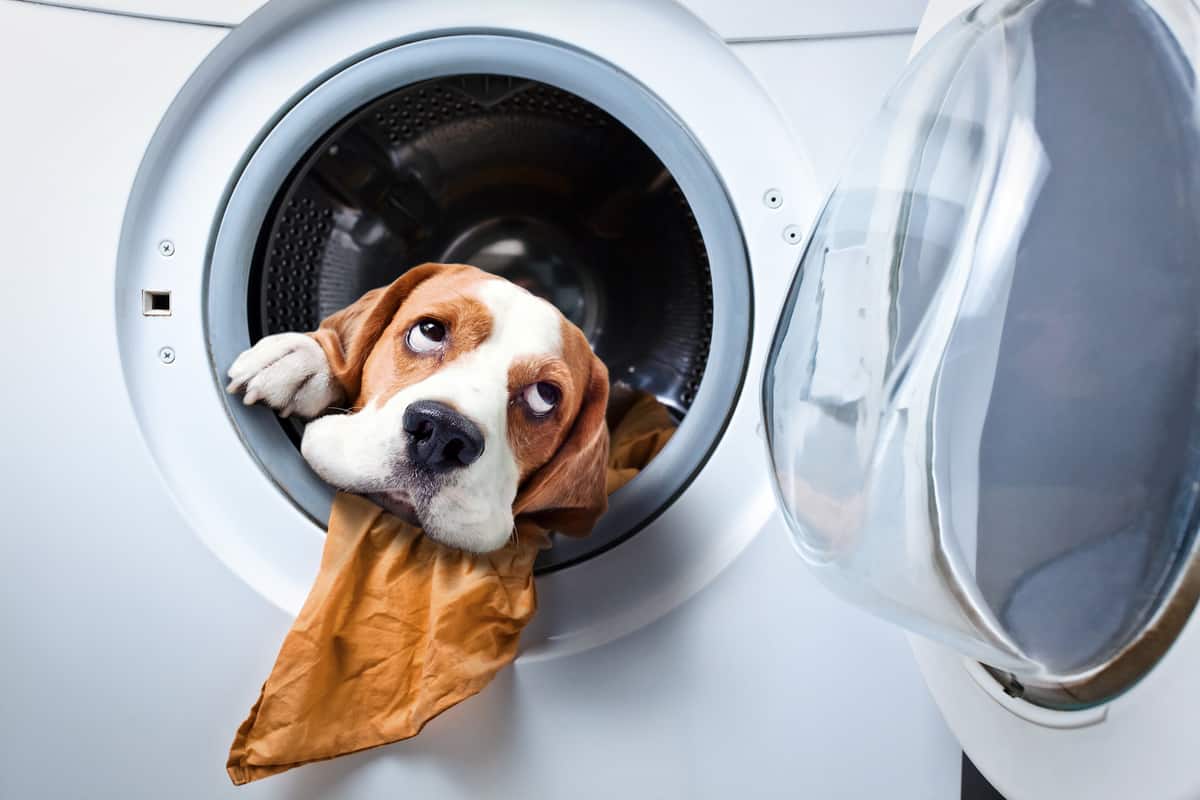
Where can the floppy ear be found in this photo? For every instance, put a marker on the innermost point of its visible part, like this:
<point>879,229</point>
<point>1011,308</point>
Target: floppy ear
<point>348,336</point>
<point>568,494</point>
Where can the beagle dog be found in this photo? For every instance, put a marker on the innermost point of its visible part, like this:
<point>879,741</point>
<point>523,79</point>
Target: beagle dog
<point>466,400</point>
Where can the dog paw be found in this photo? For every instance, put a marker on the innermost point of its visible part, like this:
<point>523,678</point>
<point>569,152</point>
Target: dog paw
<point>288,372</point>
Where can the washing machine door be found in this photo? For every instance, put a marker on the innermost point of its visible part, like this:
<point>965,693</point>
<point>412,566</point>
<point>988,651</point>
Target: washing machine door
<point>981,399</point>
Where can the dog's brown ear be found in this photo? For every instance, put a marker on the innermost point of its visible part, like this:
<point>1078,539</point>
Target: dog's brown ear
<point>348,335</point>
<point>568,494</point>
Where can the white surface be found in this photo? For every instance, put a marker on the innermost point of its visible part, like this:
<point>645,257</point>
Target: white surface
<point>225,13</point>
<point>752,19</point>
<point>937,14</point>
<point>1140,745</point>
<point>828,90</point>
<point>776,19</point>
<point>132,653</point>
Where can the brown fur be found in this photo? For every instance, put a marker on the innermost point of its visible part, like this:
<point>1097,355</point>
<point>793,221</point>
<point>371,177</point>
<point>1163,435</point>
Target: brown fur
<point>569,493</point>
<point>393,365</point>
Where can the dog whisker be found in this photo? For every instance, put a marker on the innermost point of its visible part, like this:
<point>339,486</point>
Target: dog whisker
<point>350,410</point>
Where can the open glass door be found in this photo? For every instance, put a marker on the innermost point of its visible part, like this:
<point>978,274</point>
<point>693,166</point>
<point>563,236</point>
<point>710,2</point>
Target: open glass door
<point>981,399</point>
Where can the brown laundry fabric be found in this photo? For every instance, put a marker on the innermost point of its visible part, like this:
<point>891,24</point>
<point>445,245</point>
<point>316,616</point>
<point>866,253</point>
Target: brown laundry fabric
<point>641,433</point>
<point>398,628</point>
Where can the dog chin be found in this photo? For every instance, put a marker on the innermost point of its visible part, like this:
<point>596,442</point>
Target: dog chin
<point>463,531</point>
<point>399,503</point>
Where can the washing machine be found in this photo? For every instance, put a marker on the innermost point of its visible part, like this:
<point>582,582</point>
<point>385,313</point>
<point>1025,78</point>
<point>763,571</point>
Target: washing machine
<point>981,397</point>
<point>184,177</point>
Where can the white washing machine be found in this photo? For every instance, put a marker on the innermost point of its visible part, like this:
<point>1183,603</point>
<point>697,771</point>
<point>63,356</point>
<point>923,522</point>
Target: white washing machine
<point>182,177</point>
<point>981,399</point>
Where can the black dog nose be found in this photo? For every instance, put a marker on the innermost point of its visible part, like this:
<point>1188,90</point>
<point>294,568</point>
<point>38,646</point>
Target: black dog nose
<point>439,438</point>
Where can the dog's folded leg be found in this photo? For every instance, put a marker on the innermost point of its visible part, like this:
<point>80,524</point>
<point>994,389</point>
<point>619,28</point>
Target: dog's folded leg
<point>289,373</point>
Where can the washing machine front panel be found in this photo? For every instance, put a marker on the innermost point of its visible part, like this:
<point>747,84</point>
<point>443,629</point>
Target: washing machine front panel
<point>717,298</point>
<point>981,398</point>
<point>252,90</point>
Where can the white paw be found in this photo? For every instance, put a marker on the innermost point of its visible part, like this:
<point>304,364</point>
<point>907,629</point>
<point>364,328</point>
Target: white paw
<point>288,372</point>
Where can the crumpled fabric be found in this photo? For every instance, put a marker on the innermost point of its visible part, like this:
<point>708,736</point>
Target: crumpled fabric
<point>398,628</point>
<point>639,434</point>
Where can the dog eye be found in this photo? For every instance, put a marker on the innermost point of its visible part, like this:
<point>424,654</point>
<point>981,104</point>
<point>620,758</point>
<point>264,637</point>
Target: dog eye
<point>426,336</point>
<point>541,397</point>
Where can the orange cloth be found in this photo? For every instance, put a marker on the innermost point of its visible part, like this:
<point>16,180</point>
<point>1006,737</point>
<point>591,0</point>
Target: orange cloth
<point>638,437</point>
<point>397,627</point>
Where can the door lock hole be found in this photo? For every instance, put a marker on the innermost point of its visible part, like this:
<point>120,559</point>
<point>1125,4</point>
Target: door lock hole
<point>155,303</point>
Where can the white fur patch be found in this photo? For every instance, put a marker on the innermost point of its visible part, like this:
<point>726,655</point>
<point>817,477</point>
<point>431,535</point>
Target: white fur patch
<point>469,508</point>
<point>288,372</point>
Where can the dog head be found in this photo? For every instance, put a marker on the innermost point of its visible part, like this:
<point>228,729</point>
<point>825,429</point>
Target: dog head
<point>472,402</point>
